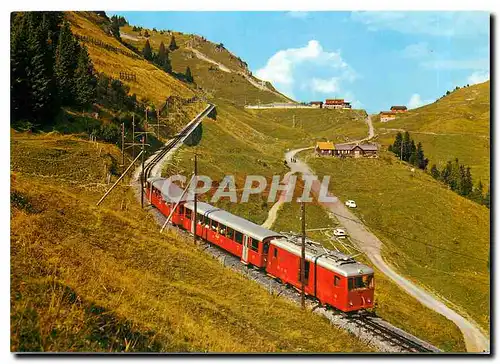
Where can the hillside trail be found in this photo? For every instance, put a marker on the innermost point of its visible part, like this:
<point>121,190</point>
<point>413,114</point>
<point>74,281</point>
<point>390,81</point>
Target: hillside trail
<point>369,244</point>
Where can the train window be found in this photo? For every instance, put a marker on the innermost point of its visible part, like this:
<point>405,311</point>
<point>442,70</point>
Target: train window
<point>266,248</point>
<point>181,209</point>
<point>350,284</point>
<point>199,219</point>
<point>214,225</point>
<point>238,237</point>
<point>222,229</point>
<point>188,214</point>
<point>254,244</point>
<point>207,221</point>
<point>275,252</point>
<point>230,233</point>
<point>336,281</point>
<point>361,282</point>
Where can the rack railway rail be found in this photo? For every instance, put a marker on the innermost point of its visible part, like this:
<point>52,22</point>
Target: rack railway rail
<point>369,328</point>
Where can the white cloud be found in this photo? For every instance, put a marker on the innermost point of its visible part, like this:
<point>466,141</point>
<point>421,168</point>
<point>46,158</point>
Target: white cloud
<point>298,14</point>
<point>282,69</point>
<point>443,23</point>
<point>478,77</point>
<point>416,101</point>
<point>417,50</point>
<point>325,86</point>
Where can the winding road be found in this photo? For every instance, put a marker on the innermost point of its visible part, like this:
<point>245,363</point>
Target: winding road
<point>368,243</point>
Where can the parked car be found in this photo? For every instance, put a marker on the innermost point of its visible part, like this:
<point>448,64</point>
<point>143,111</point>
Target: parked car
<point>350,203</point>
<point>339,232</point>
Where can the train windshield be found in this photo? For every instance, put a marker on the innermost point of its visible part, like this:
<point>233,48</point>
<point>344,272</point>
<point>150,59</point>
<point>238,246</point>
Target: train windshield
<point>361,282</point>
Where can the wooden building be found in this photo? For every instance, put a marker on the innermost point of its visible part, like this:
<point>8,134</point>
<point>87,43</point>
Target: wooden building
<point>325,148</point>
<point>317,104</point>
<point>356,150</point>
<point>399,109</point>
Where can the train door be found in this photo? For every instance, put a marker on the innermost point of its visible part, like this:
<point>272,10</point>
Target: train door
<point>244,254</point>
<point>265,252</point>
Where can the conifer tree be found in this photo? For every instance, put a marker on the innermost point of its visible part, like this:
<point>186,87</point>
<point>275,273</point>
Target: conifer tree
<point>115,27</point>
<point>85,81</point>
<point>65,64</point>
<point>189,76</point>
<point>147,52</point>
<point>38,75</point>
<point>396,147</point>
<point>435,172</point>
<point>173,44</point>
<point>19,62</point>
<point>407,149</point>
<point>162,58</point>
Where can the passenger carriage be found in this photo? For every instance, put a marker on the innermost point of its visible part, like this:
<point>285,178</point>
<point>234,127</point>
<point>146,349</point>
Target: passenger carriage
<point>332,277</point>
<point>164,195</point>
<point>238,236</point>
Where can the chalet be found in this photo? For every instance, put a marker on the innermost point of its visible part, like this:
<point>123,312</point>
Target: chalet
<point>356,150</point>
<point>347,105</point>
<point>399,109</point>
<point>334,104</point>
<point>317,104</point>
<point>325,148</point>
<point>386,116</point>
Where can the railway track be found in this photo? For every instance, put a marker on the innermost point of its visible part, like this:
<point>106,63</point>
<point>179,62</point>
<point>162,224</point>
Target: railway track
<point>158,156</point>
<point>394,336</point>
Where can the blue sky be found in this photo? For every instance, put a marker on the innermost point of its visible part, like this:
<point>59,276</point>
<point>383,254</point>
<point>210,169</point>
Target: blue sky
<point>373,59</point>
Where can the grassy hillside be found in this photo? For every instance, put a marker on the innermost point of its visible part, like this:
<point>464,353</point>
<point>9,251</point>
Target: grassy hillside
<point>229,84</point>
<point>87,278</point>
<point>430,234</point>
<point>152,83</point>
<point>457,125</point>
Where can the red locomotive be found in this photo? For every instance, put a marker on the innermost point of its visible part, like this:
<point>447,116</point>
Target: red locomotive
<point>331,277</point>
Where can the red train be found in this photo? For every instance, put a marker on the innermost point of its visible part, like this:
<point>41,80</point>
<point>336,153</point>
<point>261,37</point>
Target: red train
<point>333,278</point>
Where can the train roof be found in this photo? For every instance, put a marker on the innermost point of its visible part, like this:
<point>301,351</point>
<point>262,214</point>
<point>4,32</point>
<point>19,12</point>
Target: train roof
<point>170,192</point>
<point>235,222</point>
<point>337,262</point>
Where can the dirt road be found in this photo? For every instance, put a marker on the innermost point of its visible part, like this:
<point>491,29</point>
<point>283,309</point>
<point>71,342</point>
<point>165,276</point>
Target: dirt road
<point>367,242</point>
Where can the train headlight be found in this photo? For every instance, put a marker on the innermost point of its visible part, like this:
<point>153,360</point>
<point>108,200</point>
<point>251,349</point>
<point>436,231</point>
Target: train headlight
<point>350,303</point>
<point>369,300</point>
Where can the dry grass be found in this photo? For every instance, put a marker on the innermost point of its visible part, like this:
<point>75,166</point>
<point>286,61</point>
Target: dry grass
<point>87,278</point>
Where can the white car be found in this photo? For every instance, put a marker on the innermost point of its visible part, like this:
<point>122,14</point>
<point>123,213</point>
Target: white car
<point>350,203</point>
<point>339,232</point>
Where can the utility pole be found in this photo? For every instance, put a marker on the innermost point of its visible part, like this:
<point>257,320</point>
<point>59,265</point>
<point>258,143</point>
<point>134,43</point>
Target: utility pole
<point>142,173</point>
<point>123,147</point>
<point>158,121</point>
<point>195,212</point>
<point>133,136</point>
<point>303,257</point>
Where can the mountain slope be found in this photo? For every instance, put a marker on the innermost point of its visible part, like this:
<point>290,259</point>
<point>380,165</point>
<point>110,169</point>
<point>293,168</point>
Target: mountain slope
<point>456,126</point>
<point>217,72</point>
<point>151,83</point>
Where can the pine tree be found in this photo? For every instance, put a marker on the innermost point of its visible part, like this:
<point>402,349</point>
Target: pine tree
<point>467,184</point>
<point>487,198</point>
<point>173,44</point>
<point>19,61</point>
<point>38,75</point>
<point>115,27</point>
<point>446,173</point>
<point>189,76</point>
<point>147,52</point>
<point>396,147</point>
<point>162,58</point>
<point>421,161</point>
<point>85,81</point>
<point>435,172</point>
<point>406,146</point>
<point>65,64</point>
